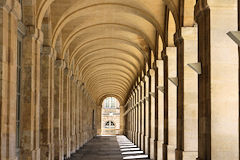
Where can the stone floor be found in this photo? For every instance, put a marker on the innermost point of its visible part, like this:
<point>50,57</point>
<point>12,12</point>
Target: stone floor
<point>109,148</point>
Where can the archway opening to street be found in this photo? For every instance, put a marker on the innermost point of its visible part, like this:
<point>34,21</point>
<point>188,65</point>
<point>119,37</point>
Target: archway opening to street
<point>110,116</point>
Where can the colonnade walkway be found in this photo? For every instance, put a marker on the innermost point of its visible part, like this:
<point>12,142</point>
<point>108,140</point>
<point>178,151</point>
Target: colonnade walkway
<point>109,148</point>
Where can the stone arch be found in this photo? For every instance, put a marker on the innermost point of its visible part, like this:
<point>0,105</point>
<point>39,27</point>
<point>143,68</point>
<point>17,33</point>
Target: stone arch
<point>188,13</point>
<point>173,6</point>
<point>171,30</point>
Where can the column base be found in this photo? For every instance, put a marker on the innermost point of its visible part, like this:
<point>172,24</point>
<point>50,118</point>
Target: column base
<point>164,151</point>
<point>65,140</point>
<point>160,149</point>
<point>152,148</point>
<point>45,152</point>
<point>139,140</point>
<point>146,145</point>
<point>142,141</point>
<point>81,139</point>
<point>69,147</point>
<point>57,150</point>
<point>189,155</point>
<point>62,149</point>
<point>37,153</point>
<point>171,152</point>
<point>73,144</point>
<point>78,141</point>
<point>133,137</point>
<point>128,134</point>
<point>136,138</point>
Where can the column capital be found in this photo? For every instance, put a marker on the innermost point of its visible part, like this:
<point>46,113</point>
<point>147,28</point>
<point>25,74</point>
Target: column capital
<point>159,63</point>
<point>189,33</point>
<point>199,8</point>
<point>151,72</point>
<point>59,63</point>
<point>46,51</point>
<point>70,73</point>
<point>36,33</point>
<point>75,78</point>
<point>146,78</point>
<point>142,83</point>
<point>66,71</point>
<point>139,85</point>
<point>72,77</point>
<point>178,39</point>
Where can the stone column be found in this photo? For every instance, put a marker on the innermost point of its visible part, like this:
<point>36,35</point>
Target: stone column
<point>125,132</point>
<point>72,114</point>
<point>46,142</point>
<point>65,111</point>
<point>81,115</point>
<point>61,94</point>
<point>126,118</point>
<point>136,116</point>
<point>99,119</point>
<point>190,111</point>
<point>218,84</point>
<point>10,14</point>
<point>69,76</point>
<point>156,120</point>
<point>165,96</point>
<point>57,110</point>
<point>131,119</point>
<point>30,94</point>
<point>152,112</point>
<point>147,136</point>
<point>122,120</point>
<point>142,116</point>
<point>77,114</point>
<point>136,120</point>
<point>161,91</point>
<point>139,120</point>
<point>84,116</point>
<point>71,111</point>
<point>172,101</point>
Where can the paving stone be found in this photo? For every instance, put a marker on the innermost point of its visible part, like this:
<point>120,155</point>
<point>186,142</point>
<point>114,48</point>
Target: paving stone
<point>99,148</point>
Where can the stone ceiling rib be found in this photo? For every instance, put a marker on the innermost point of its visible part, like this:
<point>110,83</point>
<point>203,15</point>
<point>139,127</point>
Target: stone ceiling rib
<point>105,76</point>
<point>108,28</point>
<point>111,39</point>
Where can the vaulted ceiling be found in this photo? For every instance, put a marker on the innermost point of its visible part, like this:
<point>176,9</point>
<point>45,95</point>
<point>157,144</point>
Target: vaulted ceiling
<point>105,42</point>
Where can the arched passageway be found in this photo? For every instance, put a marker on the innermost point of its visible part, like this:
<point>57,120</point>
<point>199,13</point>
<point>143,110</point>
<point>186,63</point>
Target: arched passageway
<point>110,117</point>
<point>172,67</point>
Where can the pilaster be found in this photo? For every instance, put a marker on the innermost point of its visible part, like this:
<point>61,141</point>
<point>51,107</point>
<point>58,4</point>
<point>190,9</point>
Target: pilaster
<point>172,102</point>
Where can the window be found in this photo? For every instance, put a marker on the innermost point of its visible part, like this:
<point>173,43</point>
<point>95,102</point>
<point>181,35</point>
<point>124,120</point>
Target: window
<point>111,102</point>
<point>109,124</point>
<point>18,90</point>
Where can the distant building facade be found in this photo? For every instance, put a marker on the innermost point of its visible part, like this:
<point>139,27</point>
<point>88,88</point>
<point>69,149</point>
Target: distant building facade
<point>110,116</point>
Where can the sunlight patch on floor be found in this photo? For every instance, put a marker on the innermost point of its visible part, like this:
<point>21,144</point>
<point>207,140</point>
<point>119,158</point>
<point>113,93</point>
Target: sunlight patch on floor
<point>130,150</point>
